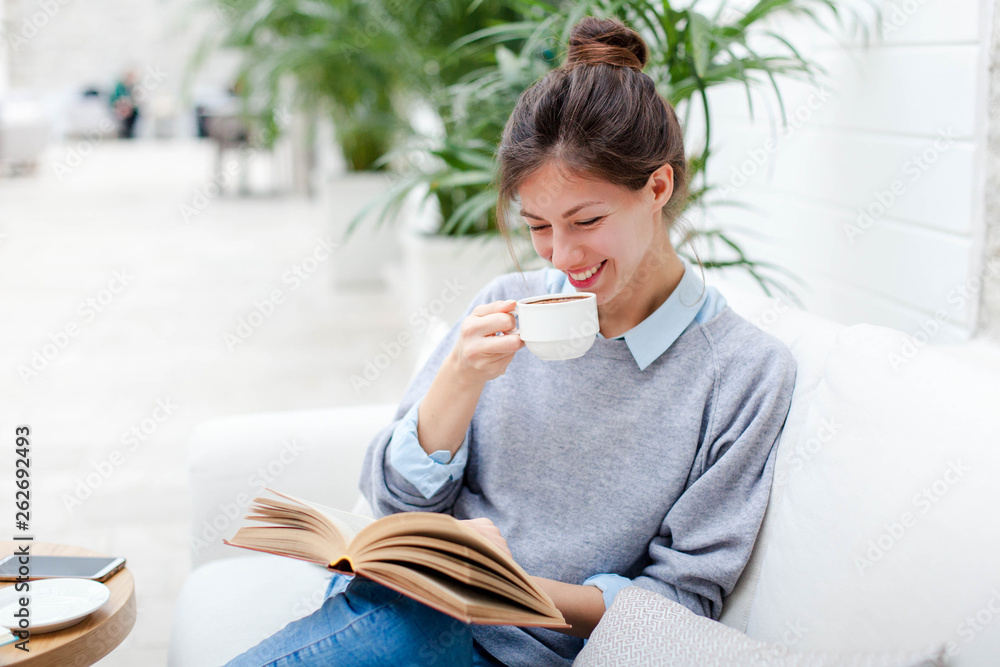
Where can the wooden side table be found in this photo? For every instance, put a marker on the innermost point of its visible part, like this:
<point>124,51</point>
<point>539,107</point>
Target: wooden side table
<point>89,640</point>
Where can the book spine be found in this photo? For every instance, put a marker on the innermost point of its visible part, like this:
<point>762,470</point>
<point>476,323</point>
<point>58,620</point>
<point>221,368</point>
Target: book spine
<point>343,564</point>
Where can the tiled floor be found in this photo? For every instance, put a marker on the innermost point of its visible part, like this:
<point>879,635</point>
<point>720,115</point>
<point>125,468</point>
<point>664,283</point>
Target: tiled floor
<point>128,307</point>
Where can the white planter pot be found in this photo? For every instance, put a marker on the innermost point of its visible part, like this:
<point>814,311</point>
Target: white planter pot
<point>440,275</point>
<point>360,260</point>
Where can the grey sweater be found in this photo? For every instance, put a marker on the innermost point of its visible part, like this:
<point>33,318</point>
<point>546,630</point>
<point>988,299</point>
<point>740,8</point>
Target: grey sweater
<point>593,466</point>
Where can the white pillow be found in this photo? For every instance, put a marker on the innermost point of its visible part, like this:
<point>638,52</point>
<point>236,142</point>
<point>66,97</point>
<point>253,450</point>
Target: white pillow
<point>886,533</point>
<point>644,629</point>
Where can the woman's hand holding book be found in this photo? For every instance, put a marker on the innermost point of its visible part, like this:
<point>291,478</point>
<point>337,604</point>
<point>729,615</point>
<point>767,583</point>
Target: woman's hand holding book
<point>488,529</point>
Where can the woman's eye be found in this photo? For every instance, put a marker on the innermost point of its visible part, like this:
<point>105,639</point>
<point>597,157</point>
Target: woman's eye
<point>582,223</point>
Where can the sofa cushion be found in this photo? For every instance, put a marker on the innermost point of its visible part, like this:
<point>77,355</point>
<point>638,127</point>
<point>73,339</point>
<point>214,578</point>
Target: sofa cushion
<point>229,605</point>
<point>886,534</point>
<point>810,339</point>
<point>645,629</point>
<point>313,454</point>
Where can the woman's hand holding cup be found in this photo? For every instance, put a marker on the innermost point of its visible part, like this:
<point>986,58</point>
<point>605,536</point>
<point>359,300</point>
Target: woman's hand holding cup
<point>479,352</point>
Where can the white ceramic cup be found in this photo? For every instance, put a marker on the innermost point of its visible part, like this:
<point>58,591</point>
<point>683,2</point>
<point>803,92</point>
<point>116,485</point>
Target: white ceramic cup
<point>554,329</point>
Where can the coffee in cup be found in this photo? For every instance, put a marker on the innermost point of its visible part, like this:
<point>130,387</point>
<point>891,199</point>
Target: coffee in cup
<point>557,327</point>
<point>561,299</point>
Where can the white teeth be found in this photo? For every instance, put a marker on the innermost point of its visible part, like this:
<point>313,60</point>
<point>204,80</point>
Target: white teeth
<point>586,274</point>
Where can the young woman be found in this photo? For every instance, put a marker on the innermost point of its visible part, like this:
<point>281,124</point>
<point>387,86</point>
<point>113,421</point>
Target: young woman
<point>646,462</point>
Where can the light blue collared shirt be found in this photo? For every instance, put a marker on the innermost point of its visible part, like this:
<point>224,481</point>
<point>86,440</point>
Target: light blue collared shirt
<point>690,301</point>
<point>651,337</point>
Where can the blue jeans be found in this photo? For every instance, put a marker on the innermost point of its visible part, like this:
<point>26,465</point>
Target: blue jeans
<point>364,623</point>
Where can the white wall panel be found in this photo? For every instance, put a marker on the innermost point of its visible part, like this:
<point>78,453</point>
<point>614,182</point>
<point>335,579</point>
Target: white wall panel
<point>914,267</point>
<point>832,299</point>
<point>924,180</point>
<point>896,132</point>
<point>905,90</point>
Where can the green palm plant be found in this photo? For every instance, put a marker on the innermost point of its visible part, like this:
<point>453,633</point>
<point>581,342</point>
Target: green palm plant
<point>316,50</point>
<point>690,53</point>
<point>361,61</point>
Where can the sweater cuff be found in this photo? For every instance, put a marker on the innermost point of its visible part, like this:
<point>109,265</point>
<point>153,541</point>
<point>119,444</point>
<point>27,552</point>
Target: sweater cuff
<point>427,472</point>
<point>610,585</point>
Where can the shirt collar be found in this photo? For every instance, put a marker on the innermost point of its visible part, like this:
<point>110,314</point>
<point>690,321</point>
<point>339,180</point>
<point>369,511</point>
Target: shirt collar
<point>654,335</point>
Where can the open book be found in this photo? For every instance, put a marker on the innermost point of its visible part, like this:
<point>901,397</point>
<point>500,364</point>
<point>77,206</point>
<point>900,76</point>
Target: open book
<point>432,558</point>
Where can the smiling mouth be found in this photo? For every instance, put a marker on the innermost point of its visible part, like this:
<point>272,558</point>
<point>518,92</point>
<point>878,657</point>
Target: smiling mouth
<point>586,274</point>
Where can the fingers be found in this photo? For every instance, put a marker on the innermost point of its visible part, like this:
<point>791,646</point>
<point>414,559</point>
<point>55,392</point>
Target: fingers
<point>491,354</point>
<point>480,328</point>
<point>487,529</point>
<point>490,318</point>
<point>487,325</point>
<point>494,307</point>
<point>479,349</point>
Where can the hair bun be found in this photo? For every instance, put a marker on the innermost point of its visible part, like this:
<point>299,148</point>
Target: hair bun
<point>597,41</point>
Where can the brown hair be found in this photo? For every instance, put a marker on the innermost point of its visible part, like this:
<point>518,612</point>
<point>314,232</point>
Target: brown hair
<point>597,114</point>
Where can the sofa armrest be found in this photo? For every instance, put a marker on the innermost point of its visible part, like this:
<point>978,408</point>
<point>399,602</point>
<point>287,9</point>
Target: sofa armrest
<point>313,454</point>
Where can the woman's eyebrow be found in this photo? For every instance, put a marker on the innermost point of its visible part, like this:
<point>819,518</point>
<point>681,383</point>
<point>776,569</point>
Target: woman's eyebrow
<point>566,214</point>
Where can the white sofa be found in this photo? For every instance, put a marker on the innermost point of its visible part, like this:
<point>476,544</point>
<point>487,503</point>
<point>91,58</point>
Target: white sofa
<point>881,533</point>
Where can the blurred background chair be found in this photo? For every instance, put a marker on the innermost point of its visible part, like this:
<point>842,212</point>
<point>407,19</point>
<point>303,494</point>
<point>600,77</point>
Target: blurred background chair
<point>24,133</point>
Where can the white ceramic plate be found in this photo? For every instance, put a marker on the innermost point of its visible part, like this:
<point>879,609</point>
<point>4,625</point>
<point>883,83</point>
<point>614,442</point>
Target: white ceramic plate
<point>54,603</point>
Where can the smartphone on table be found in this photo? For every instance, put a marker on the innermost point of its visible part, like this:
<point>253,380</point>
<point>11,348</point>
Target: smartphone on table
<point>98,568</point>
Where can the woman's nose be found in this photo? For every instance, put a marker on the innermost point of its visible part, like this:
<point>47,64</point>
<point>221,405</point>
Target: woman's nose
<point>566,254</point>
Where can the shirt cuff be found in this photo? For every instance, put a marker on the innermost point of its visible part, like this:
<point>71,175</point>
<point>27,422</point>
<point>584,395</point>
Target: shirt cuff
<point>427,472</point>
<point>610,585</point>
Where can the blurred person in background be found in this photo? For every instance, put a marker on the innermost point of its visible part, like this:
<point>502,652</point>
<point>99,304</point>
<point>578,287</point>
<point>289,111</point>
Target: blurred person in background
<point>124,104</point>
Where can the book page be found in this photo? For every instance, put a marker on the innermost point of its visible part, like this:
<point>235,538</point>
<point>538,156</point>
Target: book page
<point>442,527</point>
<point>289,541</point>
<point>435,548</point>
<point>467,605</point>
<point>299,529</point>
<point>461,570</point>
<point>431,557</point>
<point>348,523</point>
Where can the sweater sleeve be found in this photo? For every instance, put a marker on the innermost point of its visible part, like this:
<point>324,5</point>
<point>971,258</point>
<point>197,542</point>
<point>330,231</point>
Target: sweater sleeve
<point>707,536</point>
<point>426,472</point>
<point>386,488</point>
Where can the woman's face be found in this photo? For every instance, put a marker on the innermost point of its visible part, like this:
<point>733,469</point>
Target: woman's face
<point>595,232</point>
